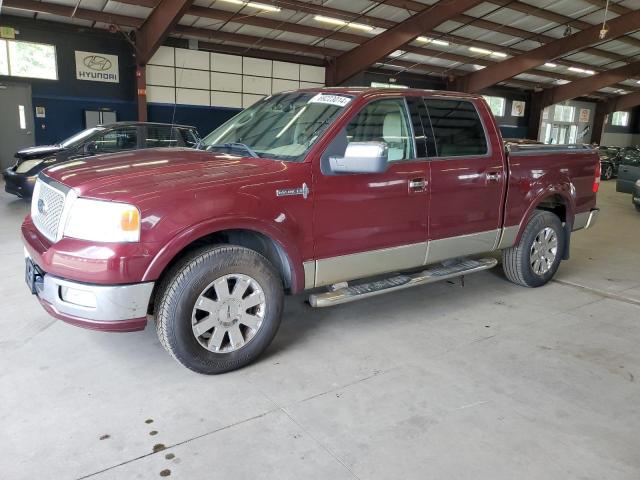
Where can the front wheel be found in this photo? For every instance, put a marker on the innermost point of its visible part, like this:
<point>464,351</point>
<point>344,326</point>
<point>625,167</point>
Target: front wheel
<point>219,308</point>
<point>607,172</point>
<point>535,260</point>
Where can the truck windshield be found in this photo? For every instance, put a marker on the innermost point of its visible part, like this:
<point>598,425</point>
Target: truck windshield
<point>282,126</point>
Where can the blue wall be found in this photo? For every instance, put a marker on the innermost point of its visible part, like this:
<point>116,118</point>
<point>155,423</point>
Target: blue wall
<point>205,119</point>
<point>66,99</point>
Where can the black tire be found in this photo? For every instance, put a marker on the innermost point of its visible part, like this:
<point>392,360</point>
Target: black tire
<point>607,172</point>
<point>637,207</point>
<point>181,288</point>
<point>516,261</point>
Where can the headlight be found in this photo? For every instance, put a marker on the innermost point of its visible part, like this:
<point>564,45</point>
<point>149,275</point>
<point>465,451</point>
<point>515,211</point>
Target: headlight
<point>101,221</point>
<point>638,183</point>
<point>27,165</point>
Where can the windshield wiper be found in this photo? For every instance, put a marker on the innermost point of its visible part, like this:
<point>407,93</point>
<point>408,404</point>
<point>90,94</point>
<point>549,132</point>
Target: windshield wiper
<point>234,146</point>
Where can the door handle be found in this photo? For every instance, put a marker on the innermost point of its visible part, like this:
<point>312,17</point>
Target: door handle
<point>417,184</point>
<point>493,176</point>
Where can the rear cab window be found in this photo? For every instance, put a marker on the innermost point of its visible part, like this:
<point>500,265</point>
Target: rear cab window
<point>457,128</point>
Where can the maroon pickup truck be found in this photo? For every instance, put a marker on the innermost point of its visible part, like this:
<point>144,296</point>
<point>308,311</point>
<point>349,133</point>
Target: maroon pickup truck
<point>383,189</point>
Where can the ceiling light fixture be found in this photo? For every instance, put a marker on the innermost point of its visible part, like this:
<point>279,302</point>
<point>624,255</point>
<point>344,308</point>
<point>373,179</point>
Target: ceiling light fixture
<point>397,53</point>
<point>550,65</point>
<point>435,41</point>
<point>581,70</point>
<point>260,6</point>
<point>343,23</point>
<point>484,51</point>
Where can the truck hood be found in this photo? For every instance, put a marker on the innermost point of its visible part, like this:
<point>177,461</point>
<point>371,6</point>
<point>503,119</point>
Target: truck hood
<point>38,152</point>
<point>134,176</point>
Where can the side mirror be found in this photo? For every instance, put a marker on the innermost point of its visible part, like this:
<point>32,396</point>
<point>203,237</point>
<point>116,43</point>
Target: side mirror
<point>362,157</point>
<point>91,148</point>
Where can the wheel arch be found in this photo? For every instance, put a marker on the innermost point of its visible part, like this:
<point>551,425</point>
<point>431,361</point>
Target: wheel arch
<point>269,242</point>
<point>557,201</point>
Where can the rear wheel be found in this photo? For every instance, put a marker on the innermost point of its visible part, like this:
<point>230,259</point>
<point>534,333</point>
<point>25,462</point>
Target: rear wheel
<point>607,172</point>
<point>535,260</point>
<point>219,308</point>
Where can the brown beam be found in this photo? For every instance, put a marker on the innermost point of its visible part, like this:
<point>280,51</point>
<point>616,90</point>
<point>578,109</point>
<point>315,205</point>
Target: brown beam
<point>625,102</point>
<point>80,13</point>
<point>163,18</point>
<point>141,92</point>
<point>538,56</point>
<point>380,46</point>
<point>590,84</point>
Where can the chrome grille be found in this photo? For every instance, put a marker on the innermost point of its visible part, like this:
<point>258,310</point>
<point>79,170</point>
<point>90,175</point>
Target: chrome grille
<point>47,206</point>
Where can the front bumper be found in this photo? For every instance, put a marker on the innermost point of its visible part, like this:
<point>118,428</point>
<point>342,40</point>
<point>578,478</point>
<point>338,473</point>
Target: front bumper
<point>113,308</point>
<point>18,183</point>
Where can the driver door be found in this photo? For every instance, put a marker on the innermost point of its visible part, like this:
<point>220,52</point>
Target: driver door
<point>366,224</point>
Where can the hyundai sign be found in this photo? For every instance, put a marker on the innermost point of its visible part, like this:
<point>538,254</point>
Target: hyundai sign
<point>97,67</point>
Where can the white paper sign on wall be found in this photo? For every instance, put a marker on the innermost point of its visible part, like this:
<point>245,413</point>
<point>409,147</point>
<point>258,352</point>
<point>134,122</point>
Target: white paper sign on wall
<point>97,67</point>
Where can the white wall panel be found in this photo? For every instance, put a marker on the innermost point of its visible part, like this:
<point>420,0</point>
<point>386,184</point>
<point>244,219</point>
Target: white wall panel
<point>192,78</point>
<point>187,96</point>
<point>311,85</point>
<point>248,100</point>
<point>222,80</point>
<point>280,85</point>
<point>259,85</point>
<point>226,99</point>
<point>221,62</point>
<point>309,73</point>
<point>163,76</point>
<point>226,82</point>
<point>256,66</point>
<point>288,71</point>
<point>195,59</point>
<point>161,94</point>
<point>164,56</point>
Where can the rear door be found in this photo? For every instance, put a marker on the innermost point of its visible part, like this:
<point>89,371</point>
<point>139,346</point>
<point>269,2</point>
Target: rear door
<point>467,178</point>
<point>365,224</point>
<point>628,172</point>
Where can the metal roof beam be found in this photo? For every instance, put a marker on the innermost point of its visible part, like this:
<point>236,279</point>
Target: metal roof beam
<point>589,84</point>
<point>380,46</point>
<point>156,28</point>
<point>538,56</point>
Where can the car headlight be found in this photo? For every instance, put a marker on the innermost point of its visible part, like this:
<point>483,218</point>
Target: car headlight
<point>102,221</point>
<point>25,166</point>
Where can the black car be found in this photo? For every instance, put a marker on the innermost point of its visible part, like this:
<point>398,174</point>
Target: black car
<point>609,161</point>
<point>629,176</point>
<point>114,137</point>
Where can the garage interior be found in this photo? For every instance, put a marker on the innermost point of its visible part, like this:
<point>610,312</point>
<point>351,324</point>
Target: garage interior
<point>468,378</point>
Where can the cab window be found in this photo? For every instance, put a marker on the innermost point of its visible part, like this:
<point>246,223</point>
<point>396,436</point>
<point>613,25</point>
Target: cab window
<point>384,121</point>
<point>457,128</point>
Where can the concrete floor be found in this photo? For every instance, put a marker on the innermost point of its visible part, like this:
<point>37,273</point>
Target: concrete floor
<point>489,381</point>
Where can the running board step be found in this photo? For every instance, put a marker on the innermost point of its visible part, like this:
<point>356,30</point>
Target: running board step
<point>436,273</point>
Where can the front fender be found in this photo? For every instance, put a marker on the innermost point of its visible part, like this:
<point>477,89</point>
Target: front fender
<point>208,227</point>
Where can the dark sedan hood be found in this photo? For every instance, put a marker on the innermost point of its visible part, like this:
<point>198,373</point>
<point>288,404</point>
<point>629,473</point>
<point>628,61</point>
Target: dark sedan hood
<point>38,152</point>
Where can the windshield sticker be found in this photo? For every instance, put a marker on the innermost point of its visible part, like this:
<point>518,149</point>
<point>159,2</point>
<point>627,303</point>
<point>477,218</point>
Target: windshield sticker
<point>337,100</point>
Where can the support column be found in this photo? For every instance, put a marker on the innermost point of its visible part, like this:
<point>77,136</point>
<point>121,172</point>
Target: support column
<point>141,92</point>
<point>602,109</point>
<point>535,115</point>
